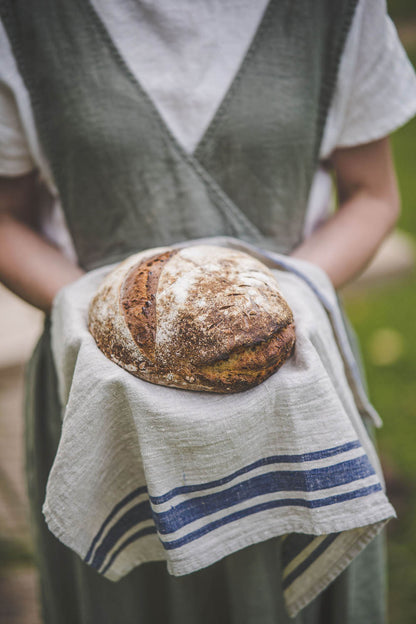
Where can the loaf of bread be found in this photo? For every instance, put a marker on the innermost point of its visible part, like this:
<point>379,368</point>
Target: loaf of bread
<point>200,318</point>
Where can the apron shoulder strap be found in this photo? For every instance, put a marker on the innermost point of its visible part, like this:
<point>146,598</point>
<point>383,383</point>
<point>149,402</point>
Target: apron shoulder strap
<point>125,183</point>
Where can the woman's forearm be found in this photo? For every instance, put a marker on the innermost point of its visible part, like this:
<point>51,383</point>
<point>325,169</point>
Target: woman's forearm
<point>344,245</point>
<point>31,267</point>
<point>369,206</point>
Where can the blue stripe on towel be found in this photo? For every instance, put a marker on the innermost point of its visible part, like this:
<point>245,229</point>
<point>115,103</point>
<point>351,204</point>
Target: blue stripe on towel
<point>187,511</point>
<point>293,545</point>
<point>300,502</point>
<point>134,516</point>
<point>265,461</point>
<point>238,515</point>
<point>319,550</point>
<point>146,531</point>
<point>137,492</point>
<point>277,481</point>
<point>112,538</point>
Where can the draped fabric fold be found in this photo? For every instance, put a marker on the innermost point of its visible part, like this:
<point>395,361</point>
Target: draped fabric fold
<point>147,473</point>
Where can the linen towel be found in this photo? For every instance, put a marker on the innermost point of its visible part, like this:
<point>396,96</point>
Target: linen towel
<point>146,473</point>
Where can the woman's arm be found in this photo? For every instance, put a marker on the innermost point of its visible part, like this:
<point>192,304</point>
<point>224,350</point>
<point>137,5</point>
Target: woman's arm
<point>29,265</point>
<point>369,206</point>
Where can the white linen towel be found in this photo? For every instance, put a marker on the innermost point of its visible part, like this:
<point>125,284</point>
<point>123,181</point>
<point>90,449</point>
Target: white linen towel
<point>145,472</point>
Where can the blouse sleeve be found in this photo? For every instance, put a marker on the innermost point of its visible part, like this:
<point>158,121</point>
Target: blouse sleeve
<point>376,89</point>
<point>15,157</point>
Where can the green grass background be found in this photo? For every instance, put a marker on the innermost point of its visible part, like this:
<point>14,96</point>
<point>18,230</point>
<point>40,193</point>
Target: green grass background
<point>392,386</point>
<point>401,9</point>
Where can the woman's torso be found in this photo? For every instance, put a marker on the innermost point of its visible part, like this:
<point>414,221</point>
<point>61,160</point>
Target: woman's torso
<point>185,56</point>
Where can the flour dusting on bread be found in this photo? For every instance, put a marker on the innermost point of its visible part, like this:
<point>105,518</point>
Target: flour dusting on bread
<point>202,317</point>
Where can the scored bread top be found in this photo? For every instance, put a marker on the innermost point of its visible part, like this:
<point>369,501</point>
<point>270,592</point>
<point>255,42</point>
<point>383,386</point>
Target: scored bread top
<point>212,300</point>
<point>201,317</point>
<point>138,300</point>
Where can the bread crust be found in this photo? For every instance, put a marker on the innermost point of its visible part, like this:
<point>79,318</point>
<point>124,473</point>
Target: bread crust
<point>138,300</point>
<point>202,318</point>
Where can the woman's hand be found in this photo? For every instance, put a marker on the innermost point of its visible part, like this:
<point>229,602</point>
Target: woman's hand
<point>29,265</point>
<point>369,205</point>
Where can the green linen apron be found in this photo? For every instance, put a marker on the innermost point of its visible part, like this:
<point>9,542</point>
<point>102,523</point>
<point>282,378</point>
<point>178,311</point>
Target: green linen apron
<point>125,185</point>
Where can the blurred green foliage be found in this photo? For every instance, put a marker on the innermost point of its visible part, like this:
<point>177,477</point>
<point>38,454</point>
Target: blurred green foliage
<point>401,9</point>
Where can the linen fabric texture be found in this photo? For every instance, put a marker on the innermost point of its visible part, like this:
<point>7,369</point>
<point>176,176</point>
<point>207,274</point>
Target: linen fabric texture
<point>147,473</point>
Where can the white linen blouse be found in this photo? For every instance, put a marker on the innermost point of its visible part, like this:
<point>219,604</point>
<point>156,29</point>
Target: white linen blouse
<point>185,55</point>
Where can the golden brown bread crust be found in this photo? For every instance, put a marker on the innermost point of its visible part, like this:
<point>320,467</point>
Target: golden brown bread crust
<point>138,300</point>
<point>248,366</point>
<point>201,318</point>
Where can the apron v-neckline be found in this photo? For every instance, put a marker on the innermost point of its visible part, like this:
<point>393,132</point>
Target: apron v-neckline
<point>110,149</point>
<point>225,99</point>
